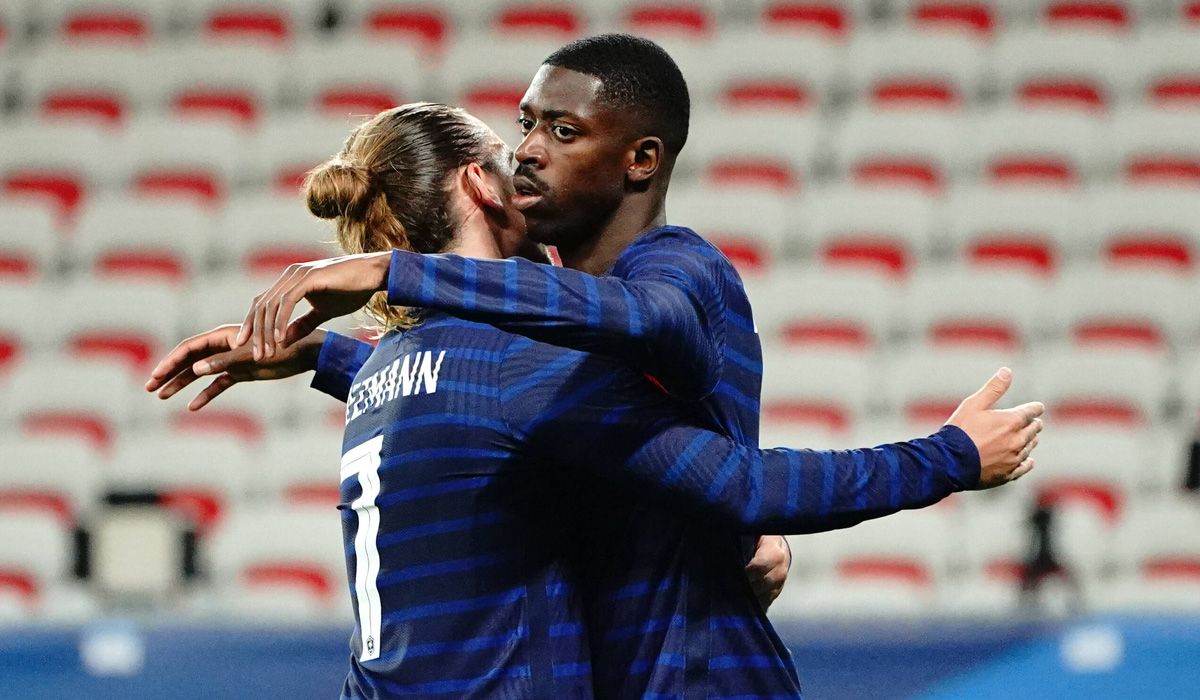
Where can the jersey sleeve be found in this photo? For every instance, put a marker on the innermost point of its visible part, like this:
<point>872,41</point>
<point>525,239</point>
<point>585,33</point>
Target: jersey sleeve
<point>338,363</point>
<point>575,410</point>
<point>661,311</point>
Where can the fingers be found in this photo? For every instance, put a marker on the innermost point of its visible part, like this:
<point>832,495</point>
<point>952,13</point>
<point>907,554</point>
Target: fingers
<point>1029,411</point>
<point>188,352</point>
<point>1027,450</point>
<point>178,382</point>
<point>992,391</point>
<point>212,391</point>
<point>1022,469</point>
<point>301,328</point>
<point>287,305</point>
<point>1030,431</point>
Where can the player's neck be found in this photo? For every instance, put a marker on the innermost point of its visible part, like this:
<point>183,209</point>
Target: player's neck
<point>598,253</point>
<point>476,239</point>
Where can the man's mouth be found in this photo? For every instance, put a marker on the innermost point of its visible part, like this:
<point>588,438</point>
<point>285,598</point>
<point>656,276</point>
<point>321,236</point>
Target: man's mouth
<point>527,195</point>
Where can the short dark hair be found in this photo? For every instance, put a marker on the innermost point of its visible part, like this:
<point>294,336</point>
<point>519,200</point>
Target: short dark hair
<point>636,74</point>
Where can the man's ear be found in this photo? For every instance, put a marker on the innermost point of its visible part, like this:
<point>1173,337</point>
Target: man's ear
<point>645,159</point>
<point>481,189</point>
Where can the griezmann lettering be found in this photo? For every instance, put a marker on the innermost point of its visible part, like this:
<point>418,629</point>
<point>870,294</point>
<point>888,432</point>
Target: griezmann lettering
<point>415,373</point>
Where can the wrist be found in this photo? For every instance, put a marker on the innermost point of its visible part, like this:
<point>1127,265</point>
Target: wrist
<point>383,268</point>
<point>310,349</point>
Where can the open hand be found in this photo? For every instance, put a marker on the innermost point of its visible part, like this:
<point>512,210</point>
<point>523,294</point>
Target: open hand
<point>333,287</point>
<point>211,353</point>
<point>1005,437</point>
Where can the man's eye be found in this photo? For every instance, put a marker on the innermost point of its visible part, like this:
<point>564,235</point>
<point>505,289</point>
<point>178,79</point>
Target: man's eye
<point>562,132</point>
<point>525,124</point>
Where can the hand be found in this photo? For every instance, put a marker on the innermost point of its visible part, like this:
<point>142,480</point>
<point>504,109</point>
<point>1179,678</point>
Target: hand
<point>768,569</point>
<point>1004,437</point>
<point>333,287</point>
<point>211,353</point>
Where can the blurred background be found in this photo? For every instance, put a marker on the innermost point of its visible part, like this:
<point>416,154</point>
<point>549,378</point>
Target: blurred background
<point>916,192</point>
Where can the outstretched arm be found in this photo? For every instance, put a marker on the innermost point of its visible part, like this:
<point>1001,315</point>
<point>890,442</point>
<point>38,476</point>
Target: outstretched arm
<point>661,311</point>
<point>578,410</point>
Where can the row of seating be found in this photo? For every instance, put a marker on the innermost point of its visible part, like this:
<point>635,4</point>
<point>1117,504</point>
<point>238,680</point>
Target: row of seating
<point>892,69</point>
<point>895,231</point>
<point>64,165</point>
<point>280,562</point>
<point>280,21</point>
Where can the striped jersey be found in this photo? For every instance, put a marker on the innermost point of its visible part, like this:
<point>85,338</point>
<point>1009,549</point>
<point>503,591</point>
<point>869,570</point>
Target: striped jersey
<point>655,545</point>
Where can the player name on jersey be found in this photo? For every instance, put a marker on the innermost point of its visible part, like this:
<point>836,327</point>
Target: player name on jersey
<point>414,373</point>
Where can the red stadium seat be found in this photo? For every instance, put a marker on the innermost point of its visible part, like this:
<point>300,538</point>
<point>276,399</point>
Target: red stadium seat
<point>287,148</point>
<point>1075,70</point>
<point>49,477</point>
<point>1147,228</point>
<point>1037,148</point>
<point>1138,308</point>
<point>35,559</point>
<point>877,229</point>
<point>1104,15</point>
<point>338,80</point>
<point>28,242</point>
<point>904,69</point>
<point>900,148</point>
<point>138,320</point>
<point>539,18</point>
<point>807,387</point>
<point>972,17</point>
<point>108,25</point>
<point>267,233</point>
<point>829,18</point>
<point>426,24</point>
<point>1016,229</point>
<point>265,22</point>
<point>299,467</point>
<point>1157,147</point>
<point>53,165</point>
<point>851,312</point>
<point>748,225</point>
<point>669,18</point>
<point>126,238</point>
<point>992,310</point>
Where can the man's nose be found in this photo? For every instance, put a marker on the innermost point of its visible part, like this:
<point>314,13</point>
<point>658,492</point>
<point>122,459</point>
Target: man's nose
<point>530,152</point>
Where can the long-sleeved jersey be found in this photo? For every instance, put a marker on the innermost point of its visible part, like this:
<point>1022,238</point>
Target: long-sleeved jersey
<point>667,608</point>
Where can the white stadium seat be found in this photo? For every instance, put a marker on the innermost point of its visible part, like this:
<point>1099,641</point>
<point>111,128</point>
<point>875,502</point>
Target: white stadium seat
<point>802,306</point>
<point>902,69</point>
<point>750,225</point>
<point>774,151</point>
<point>1156,146</point>
<point>30,247</point>
<point>193,161</point>
<point>264,234</point>
<point>987,308</point>
<point>1055,148</point>
<point>49,476</point>
<point>356,79</point>
<point>1124,307</point>
<point>1053,67</point>
<point>1035,230</point>
<point>882,230</point>
<point>100,84</point>
<point>1114,387</point>
<point>119,236</point>
<point>289,146</point>
<point>904,148</point>
<point>35,560</point>
<point>925,384</point>
<point>828,390</point>
<point>787,72</point>
<point>1145,228</point>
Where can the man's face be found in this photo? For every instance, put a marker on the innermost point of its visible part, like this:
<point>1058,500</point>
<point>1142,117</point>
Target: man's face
<point>570,174</point>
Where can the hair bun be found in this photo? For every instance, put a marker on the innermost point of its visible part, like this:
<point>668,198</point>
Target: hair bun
<point>338,187</point>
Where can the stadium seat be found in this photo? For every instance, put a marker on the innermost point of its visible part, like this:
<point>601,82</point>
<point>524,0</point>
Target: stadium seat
<point>749,225</point>
<point>68,398</point>
<point>996,542</point>
<point>768,151</point>
<point>1157,146</point>
<point>24,332</point>
<point>280,564</point>
<point>1116,16</point>
<point>120,237</point>
<point>904,69</point>
<point>247,412</point>
<point>821,308</point>
<point>1047,148</point>
<point>1145,228</point>
<point>126,321</point>
<point>270,23</point>
<point>976,18</point>
<point>193,162</point>
<point>53,165</point>
<point>899,148</point>
<point>825,389</point>
<point>924,385</point>
<point>116,22</point>
<point>301,467</point>
<point>1101,470</point>
<point>963,307</point>
<point>530,19</point>
<point>101,85</point>
<point>884,230</point>
<point>1187,12</point>
<point>29,243</point>
<point>1055,68</point>
<point>879,568</point>
<point>1031,230</point>
<point>287,147</point>
<point>35,560</point>
<point>489,79</point>
<point>199,477</point>
<point>1160,560</point>
<point>341,79</point>
<point>429,26</point>
<point>264,234</point>
<point>835,19</point>
<point>47,476</point>
<point>1116,388</point>
<point>1133,308</point>
<point>790,72</point>
<point>235,84</point>
<point>1166,68</point>
<point>666,19</point>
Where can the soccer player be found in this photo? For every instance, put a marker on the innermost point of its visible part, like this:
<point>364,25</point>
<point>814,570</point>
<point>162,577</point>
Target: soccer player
<point>691,562</point>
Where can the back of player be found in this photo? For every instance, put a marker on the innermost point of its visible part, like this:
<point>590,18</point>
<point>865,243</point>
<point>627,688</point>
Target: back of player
<point>451,541</point>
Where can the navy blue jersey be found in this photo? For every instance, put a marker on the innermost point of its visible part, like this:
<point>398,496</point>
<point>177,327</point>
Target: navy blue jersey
<point>668,610</point>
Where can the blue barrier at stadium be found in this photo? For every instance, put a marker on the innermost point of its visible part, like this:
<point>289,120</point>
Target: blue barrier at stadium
<point>1086,658</point>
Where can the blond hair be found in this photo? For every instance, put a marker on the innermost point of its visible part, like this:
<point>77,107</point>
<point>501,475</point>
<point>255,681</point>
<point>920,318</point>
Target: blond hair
<point>389,186</point>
